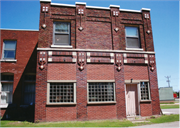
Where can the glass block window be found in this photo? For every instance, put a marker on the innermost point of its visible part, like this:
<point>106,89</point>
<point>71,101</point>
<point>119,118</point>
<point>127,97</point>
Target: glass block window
<point>101,92</point>
<point>132,37</point>
<point>9,51</point>
<point>29,89</point>
<point>61,33</point>
<point>144,86</point>
<point>6,89</point>
<point>61,93</point>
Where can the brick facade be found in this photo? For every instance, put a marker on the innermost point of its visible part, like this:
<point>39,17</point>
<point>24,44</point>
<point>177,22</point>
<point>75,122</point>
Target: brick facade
<point>97,53</point>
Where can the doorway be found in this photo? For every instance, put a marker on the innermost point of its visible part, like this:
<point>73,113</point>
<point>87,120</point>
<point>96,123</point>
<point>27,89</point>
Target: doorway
<point>132,106</point>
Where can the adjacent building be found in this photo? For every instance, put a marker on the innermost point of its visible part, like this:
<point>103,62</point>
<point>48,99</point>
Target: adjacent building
<point>88,63</point>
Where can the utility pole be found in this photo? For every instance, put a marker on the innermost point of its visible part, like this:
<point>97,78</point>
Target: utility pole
<point>168,80</point>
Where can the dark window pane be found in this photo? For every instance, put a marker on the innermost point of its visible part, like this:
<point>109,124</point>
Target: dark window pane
<point>61,27</point>
<point>132,42</point>
<point>9,54</point>
<point>10,45</point>
<point>7,77</point>
<point>61,39</point>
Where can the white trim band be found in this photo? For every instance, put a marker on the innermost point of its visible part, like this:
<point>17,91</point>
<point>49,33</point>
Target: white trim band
<point>45,0</point>
<point>61,81</point>
<point>67,5</point>
<point>114,6</point>
<point>82,3</point>
<point>61,46</point>
<point>90,81</point>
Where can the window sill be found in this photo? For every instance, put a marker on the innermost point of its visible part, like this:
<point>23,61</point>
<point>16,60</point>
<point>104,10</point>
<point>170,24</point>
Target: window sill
<point>134,49</point>
<point>8,60</point>
<point>49,104</point>
<point>3,105</point>
<point>145,101</point>
<point>113,102</point>
<point>61,46</point>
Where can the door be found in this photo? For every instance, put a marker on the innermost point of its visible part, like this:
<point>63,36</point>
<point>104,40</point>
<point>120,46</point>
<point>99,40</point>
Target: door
<point>131,100</point>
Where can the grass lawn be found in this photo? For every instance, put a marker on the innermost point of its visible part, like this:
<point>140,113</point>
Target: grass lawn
<point>169,106</point>
<point>105,123</point>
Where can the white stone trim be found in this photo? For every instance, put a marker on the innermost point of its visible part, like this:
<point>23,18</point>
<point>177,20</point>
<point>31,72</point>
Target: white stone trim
<point>74,53</point>
<point>134,81</point>
<point>18,29</point>
<point>90,81</point>
<point>74,60</point>
<point>3,105</point>
<point>88,54</point>
<point>129,10</point>
<point>135,49</point>
<point>61,81</point>
<point>112,60</point>
<point>82,3</point>
<point>145,55</point>
<point>45,0</point>
<point>96,7</point>
<point>146,61</point>
<point>114,6</point>
<point>125,61</point>
<point>145,9</point>
<point>49,59</point>
<point>88,60</point>
<point>108,102</point>
<point>8,60</point>
<point>94,50</point>
<point>61,46</point>
<point>67,5</point>
<point>111,54</point>
<point>50,53</point>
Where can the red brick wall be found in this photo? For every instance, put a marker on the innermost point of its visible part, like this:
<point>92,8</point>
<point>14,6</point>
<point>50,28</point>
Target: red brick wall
<point>135,72</point>
<point>98,35</point>
<point>100,72</point>
<point>97,112</point>
<point>26,43</point>
<point>61,113</point>
<point>61,71</point>
<point>146,109</point>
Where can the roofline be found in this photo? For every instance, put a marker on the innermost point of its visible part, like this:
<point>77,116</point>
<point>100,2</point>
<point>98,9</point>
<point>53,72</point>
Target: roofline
<point>45,0</point>
<point>18,29</point>
<point>96,7</point>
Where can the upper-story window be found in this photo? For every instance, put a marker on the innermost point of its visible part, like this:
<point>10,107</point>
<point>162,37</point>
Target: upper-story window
<point>61,34</point>
<point>132,37</point>
<point>9,49</point>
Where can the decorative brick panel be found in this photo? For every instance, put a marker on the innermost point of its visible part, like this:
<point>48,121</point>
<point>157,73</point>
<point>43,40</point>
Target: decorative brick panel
<point>146,108</point>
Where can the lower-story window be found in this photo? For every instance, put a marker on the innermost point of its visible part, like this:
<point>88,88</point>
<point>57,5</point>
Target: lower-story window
<point>62,93</point>
<point>6,89</point>
<point>145,95</point>
<point>101,92</point>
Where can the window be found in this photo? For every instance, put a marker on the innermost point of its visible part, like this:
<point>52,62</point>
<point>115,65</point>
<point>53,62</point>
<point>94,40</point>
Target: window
<point>29,89</point>
<point>101,92</point>
<point>6,89</point>
<point>145,95</point>
<point>60,93</point>
<point>132,37</point>
<point>61,33</point>
<point>9,51</point>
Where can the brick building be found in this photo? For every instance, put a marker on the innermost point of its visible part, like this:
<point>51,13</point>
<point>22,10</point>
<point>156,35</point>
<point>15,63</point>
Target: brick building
<point>92,63</point>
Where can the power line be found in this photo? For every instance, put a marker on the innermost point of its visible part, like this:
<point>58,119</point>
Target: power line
<point>168,80</point>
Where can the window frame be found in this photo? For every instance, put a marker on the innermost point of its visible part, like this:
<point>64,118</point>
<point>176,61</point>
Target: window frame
<point>61,103</point>
<point>142,100</point>
<point>62,33</point>
<point>134,37</point>
<point>101,81</point>
<point>9,50</point>
<point>6,81</point>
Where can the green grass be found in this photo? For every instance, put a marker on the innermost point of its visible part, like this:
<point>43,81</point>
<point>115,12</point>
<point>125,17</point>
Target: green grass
<point>168,103</point>
<point>105,123</point>
<point>169,106</point>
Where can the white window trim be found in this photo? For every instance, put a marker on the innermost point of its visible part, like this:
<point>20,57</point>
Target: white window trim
<point>68,33</point>
<point>4,105</point>
<point>138,37</point>
<point>8,60</point>
<point>102,102</point>
<point>65,103</point>
<point>148,92</point>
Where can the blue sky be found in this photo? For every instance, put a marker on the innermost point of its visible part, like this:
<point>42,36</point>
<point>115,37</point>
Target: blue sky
<point>164,18</point>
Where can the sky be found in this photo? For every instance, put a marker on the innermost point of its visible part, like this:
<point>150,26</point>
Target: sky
<point>24,14</point>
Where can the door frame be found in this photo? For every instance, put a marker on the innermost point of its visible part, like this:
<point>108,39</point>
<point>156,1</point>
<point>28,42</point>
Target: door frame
<point>138,96</point>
